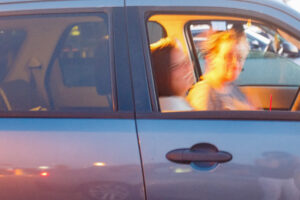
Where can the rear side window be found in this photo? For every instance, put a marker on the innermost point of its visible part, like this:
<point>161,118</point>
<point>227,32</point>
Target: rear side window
<point>218,63</point>
<point>83,47</point>
<point>82,62</point>
<point>10,42</point>
<point>155,31</point>
<point>55,63</point>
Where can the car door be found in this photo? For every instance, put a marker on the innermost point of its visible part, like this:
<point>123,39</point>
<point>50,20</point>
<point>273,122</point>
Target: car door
<point>211,154</point>
<point>67,121</point>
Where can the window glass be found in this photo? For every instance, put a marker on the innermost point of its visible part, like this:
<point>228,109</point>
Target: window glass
<point>272,60</point>
<point>81,49</point>
<point>10,43</point>
<point>156,31</point>
<point>55,63</point>
<point>242,64</point>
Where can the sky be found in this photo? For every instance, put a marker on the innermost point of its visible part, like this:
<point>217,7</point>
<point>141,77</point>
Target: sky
<point>294,4</point>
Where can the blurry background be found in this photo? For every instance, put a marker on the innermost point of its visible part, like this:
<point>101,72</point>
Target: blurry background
<point>295,4</point>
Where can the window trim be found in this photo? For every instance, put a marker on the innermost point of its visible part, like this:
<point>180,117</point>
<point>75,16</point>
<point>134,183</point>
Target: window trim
<point>192,50</point>
<point>63,115</point>
<point>224,115</point>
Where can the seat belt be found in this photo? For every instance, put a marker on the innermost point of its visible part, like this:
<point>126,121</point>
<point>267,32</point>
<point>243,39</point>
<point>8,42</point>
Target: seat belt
<point>34,66</point>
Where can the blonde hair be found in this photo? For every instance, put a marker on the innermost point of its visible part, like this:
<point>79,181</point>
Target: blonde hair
<point>216,40</point>
<point>163,44</point>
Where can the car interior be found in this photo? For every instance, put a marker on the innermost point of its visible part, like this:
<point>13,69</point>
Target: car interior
<point>270,76</point>
<point>52,63</point>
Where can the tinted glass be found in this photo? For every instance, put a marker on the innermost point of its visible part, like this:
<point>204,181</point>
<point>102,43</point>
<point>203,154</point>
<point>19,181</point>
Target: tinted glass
<point>55,63</point>
<point>155,31</point>
<point>10,43</point>
<point>81,49</point>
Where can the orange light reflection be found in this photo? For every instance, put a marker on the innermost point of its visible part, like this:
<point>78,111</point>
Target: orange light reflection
<point>99,164</point>
<point>44,174</point>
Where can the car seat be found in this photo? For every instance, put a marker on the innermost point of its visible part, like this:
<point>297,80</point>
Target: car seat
<point>19,95</point>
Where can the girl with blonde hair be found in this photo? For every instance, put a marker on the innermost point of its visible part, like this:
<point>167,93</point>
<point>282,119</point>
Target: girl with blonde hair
<point>224,54</point>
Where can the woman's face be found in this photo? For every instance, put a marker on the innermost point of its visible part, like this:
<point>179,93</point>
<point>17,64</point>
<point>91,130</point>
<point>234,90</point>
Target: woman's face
<point>230,60</point>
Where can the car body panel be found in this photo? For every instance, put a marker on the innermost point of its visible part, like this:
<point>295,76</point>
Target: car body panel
<point>256,5</point>
<point>256,158</point>
<point>122,154</point>
<point>264,147</point>
<point>75,154</point>
<point>80,155</point>
<point>42,5</point>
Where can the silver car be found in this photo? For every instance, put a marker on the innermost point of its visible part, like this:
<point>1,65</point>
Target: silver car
<point>80,115</point>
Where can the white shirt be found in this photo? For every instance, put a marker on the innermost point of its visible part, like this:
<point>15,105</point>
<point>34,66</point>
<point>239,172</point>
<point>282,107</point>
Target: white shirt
<point>173,103</point>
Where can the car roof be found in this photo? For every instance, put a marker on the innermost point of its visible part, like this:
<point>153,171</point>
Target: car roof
<point>18,1</point>
<point>275,4</point>
<point>59,1</point>
<point>19,5</point>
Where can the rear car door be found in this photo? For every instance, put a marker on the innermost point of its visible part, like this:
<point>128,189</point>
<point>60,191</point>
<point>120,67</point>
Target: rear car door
<point>67,124</point>
<point>245,154</point>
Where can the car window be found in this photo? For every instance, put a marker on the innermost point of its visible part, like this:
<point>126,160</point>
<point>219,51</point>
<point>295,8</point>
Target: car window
<point>272,60</point>
<point>10,43</point>
<point>156,31</point>
<point>78,55</point>
<point>268,79</point>
<point>55,63</point>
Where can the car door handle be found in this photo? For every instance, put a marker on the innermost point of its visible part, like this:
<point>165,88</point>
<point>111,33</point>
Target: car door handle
<point>202,152</point>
